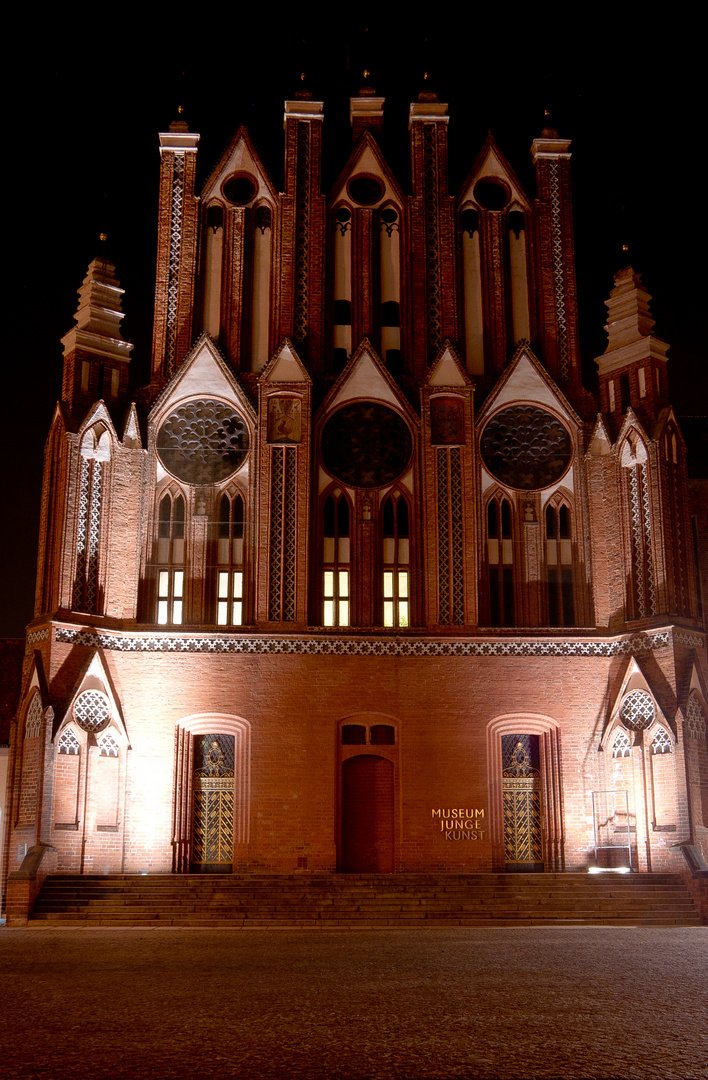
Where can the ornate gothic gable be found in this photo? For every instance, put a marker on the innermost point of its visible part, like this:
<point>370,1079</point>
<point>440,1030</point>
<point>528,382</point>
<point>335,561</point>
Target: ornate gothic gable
<point>492,165</point>
<point>203,373</point>
<point>240,161</point>
<point>368,163</point>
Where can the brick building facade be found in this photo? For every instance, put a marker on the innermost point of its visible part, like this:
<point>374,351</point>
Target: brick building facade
<point>365,579</point>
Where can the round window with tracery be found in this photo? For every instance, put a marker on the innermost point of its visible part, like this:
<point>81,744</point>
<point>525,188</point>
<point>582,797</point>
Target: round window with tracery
<point>637,710</point>
<point>526,447</point>
<point>203,442</point>
<point>92,711</point>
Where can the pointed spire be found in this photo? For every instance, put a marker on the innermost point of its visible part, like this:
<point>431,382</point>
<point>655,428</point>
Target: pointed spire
<point>96,357</point>
<point>628,315</point>
<point>99,311</point>
<point>632,368</point>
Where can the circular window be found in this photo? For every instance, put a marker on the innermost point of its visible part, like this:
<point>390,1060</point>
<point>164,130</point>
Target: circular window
<point>366,444</point>
<point>365,190</point>
<point>91,711</point>
<point>203,442</point>
<point>492,194</point>
<point>240,189</point>
<point>526,447</point>
<point>342,214</point>
<point>637,710</point>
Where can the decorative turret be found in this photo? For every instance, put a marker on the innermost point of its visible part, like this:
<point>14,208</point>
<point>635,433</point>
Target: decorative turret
<point>176,250</point>
<point>302,229</point>
<point>433,293</point>
<point>96,357</point>
<point>366,112</point>
<point>556,296</point>
<point>632,368</point>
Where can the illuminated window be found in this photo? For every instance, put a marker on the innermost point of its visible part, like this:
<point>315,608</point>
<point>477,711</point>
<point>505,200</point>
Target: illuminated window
<point>500,561</point>
<point>229,557</point>
<point>170,557</point>
<point>559,566</point>
<point>396,561</point>
<point>335,561</point>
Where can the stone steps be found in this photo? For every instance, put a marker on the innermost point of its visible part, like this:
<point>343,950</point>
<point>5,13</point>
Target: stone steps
<point>363,901</point>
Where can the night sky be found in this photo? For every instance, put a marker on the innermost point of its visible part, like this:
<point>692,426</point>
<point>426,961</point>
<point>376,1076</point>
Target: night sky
<point>85,106</point>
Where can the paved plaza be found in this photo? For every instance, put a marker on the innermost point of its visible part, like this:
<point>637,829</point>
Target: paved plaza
<point>433,1004</point>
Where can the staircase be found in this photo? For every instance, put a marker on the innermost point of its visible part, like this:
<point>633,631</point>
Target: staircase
<point>364,901</point>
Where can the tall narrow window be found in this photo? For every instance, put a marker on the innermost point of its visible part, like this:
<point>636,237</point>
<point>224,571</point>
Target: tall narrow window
<point>559,566</point>
<point>396,562</point>
<point>335,560</point>
<point>501,563</point>
<point>229,557</point>
<point>170,557</point>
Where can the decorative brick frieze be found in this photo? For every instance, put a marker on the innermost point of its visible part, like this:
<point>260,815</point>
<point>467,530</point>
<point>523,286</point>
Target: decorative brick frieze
<point>355,646</point>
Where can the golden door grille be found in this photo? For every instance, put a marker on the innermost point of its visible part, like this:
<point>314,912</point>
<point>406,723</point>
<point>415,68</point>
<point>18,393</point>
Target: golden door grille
<point>213,799</point>
<point>521,795</point>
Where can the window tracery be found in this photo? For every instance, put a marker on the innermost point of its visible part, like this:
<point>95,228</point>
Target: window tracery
<point>559,565</point>
<point>171,559</point>
<point>621,746</point>
<point>230,561</point>
<point>695,718</point>
<point>108,746</point>
<point>336,556</point>
<point>500,562</point>
<point>68,742</point>
<point>662,742</point>
<point>396,561</point>
<point>33,723</point>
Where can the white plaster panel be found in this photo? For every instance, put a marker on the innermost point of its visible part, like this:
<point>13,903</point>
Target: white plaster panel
<point>202,378</point>
<point>487,480</point>
<point>367,163</point>
<point>446,372</point>
<point>567,483</point>
<point>365,381</point>
<point>526,385</point>
<point>286,369</point>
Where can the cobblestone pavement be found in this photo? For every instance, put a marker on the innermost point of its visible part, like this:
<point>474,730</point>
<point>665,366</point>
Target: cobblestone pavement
<point>383,1005</point>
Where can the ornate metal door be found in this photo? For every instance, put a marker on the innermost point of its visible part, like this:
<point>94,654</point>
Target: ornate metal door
<point>213,805</point>
<point>521,791</point>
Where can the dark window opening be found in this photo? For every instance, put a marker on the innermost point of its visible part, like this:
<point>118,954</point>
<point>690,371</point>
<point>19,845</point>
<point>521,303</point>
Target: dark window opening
<point>382,735</point>
<point>342,313</point>
<point>353,735</point>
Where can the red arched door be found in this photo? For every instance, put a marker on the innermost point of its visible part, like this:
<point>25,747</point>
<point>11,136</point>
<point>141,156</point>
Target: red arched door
<point>367,815</point>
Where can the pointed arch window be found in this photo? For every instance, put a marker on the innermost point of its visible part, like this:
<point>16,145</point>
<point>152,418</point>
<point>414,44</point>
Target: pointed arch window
<point>559,565</point>
<point>621,747</point>
<point>336,555</point>
<point>95,456</point>
<point>68,743</point>
<point>170,557</point>
<point>229,555</point>
<point>641,599</point>
<point>500,562</point>
<point>396,561</point>
<point>662,742</point>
